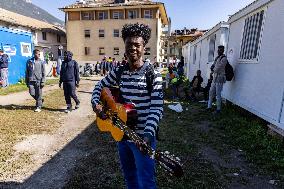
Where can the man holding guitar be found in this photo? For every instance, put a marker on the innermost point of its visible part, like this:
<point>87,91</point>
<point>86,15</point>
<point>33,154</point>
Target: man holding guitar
<point>140,85</point>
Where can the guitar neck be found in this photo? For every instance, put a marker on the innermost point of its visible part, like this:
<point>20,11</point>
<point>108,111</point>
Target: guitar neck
<point>134,137</point>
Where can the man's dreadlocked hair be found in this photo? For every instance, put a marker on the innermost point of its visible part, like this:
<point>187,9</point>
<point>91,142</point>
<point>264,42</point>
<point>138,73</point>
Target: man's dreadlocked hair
<point>136,30</point>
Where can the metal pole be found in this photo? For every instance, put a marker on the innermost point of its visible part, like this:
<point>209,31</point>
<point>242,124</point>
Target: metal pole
<point>169,35</point>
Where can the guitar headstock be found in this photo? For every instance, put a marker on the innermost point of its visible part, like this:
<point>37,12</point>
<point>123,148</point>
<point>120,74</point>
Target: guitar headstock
<point>170,162</point>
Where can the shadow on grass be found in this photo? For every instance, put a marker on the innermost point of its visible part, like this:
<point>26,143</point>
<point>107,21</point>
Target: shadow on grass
<point>27,107</point>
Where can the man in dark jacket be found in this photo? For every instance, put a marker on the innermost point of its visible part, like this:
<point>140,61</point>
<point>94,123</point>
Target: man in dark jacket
<point>35,78</point>
<point>70,77</point>
<point>3,69</point>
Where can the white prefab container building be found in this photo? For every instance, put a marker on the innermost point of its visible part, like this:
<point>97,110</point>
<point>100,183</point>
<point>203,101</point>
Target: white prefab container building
<point>200,54</point>
<point>256,51</point>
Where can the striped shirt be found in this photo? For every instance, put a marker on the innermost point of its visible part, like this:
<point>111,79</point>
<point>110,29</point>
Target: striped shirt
<point>133,89</point>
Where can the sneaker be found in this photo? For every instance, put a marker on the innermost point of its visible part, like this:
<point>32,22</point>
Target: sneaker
<point>68,110</point>
<point>77,106</point>
<point>208,109</point>
<point>38,109</point>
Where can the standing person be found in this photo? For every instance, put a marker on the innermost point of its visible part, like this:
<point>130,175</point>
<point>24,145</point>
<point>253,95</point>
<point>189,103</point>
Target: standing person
<point>138,169</point>
<point>180,67</point>
<point>97,68</point>
<point>124,61</point>
<point>70,77</point>
<point>4,60</point>
<point>172,79</point>
<point>114,63</point>
<point>35,78</point>
<point>103,67</point>
<point>109,65</point>
<point>219,78</point>
<point>207,87</point>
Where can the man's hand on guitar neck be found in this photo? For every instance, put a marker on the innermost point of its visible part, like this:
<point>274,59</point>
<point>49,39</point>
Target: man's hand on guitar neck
<point>147,141</point>
<point>99,111</point>
<point>98,108</point>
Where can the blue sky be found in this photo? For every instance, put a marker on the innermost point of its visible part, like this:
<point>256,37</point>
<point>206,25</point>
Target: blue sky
<point>201,14</point>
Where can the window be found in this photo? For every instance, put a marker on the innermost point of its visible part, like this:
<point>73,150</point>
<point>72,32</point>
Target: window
<point>26,49</point>
<point>147,51</point>
<point>132,14</point>
<point>101,51</point>
<point>211,48</point>
<point>101,33</point>
<point>58,38</point>
<point>252,36</point>
<point>102,15</point>
<point>148,14</point>
<point>194,53</point>
<point>87,50</point>
<point>117,15</point>
<point>115,33</point>
<point>87,15</point>
<point>43,35</point>
<point>116,51</point>
<point>87,33</point>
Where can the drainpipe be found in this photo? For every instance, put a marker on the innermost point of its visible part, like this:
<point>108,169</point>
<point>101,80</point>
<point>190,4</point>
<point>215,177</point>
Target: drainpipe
<point>281,109</point>
<point>169,35</point>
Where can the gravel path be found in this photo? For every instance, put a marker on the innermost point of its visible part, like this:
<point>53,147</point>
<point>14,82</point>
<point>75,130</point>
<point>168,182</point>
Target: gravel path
<point>53,154</point>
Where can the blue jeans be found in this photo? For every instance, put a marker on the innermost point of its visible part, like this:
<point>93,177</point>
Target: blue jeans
<point>138,169</point>
<point>4,77</point>
<point>215,89</point>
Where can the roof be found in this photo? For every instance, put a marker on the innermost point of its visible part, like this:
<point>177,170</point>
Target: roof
<point>20,20</point>
<point>112,4</point>
<point>248,9</point>
<point>211,31</point>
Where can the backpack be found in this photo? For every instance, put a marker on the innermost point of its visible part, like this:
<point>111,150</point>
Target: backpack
<point>150,76</point>
<point>229,71</point>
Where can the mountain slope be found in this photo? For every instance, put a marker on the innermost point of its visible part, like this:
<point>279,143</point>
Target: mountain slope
<point>30,10</point>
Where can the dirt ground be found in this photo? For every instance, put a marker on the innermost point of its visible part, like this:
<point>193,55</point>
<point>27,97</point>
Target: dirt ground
<point>53,155</point>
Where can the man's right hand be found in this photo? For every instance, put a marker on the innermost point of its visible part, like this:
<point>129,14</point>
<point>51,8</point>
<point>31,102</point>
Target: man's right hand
<point>98,108</point>
<point>60,85</point>
<point>99,111</point>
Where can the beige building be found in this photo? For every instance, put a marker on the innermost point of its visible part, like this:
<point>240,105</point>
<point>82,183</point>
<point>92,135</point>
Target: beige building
<point>179,38</point>
<point>94,27</point>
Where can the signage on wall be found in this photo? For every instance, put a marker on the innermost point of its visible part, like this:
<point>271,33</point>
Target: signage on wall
<point>26,49</point>
<point>10,50</point>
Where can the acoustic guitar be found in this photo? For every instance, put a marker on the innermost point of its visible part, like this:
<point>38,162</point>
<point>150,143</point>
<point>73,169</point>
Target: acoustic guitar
<point>118,119</point>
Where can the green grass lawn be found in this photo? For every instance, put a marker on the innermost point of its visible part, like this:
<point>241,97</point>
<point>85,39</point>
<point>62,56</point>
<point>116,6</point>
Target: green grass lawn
<point>19,121</point>
<point>206,145</point>
<point>22,87</point>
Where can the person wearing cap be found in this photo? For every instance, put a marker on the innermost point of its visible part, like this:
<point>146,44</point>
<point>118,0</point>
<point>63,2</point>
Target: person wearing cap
<point>70,77</point>
<point>35,78</point>
<point>3,69</point>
